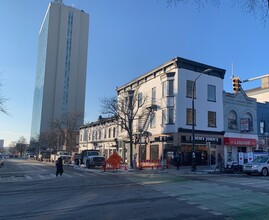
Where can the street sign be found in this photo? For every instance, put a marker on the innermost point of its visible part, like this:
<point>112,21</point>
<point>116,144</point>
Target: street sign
<point>114,160</point>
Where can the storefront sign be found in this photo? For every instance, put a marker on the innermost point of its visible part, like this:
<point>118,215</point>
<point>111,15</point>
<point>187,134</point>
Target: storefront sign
<point>240,141</point>
<point>200,139</point>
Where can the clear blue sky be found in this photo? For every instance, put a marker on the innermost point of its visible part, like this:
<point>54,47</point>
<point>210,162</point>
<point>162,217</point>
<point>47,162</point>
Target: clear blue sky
<point>126,39</point>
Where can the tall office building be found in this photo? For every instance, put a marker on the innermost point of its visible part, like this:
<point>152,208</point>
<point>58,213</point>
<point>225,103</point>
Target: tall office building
<point>60,82</point>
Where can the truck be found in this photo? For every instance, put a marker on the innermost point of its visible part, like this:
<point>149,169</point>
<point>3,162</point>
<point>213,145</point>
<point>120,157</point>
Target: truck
<point>65,155</point>
<point>92,158</point>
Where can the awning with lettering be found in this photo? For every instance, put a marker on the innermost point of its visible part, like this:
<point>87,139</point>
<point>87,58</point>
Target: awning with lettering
<point>240,141</point>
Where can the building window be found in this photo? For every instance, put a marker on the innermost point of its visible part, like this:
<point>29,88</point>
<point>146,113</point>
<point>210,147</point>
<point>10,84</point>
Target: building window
<point>168,116</point>
<point>261,127</point>
<point>189,89</point>
<point>154,152</point>
<point>211,93</point>
<point>211,119</point>
<point>104,133</point>
<point>189,116</point>
<point>109,133</point>
<point>153,96</point>
<point>139,126</point>
<point>114,132</point>
<point>153,121</point>
<point>100,133</point>
<point>232,120</point>
<point>140,97</point>
<point>168,88</point>
<point>249,116</point>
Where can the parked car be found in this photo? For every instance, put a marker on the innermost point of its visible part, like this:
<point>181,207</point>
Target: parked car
<point>259,165</point>
<point>1,160</point>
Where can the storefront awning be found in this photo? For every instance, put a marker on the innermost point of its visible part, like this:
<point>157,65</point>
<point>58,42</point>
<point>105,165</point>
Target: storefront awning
<point>240,141</point>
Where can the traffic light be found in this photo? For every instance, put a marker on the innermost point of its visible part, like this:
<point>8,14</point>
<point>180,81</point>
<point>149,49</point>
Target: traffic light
<point>236,84</point>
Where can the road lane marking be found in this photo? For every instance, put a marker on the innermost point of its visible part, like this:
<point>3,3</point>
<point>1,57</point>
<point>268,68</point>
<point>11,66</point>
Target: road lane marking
<point>203,207</point>
<point>216,213</point>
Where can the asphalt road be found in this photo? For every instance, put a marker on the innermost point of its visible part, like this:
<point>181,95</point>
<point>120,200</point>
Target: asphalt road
<point>30,190</point>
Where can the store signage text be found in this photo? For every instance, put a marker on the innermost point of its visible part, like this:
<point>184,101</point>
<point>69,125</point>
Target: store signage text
<point>240,141</point>
<point>200,139</point>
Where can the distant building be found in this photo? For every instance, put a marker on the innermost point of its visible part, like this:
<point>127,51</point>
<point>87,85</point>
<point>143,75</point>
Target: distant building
<point>100,135</point>
<point>1,143</point>
<point>261,94</point>
<point>240,117</point>
<point>263,125</point>
<point>61,66</point>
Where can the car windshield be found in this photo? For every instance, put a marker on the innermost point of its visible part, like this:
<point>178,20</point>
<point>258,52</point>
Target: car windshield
<point>93,153</point>
<point>260,159</point>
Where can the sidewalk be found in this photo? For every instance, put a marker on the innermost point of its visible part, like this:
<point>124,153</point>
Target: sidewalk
<point>183,170</point>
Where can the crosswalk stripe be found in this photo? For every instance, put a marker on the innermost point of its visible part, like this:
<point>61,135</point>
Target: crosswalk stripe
<point>78,174</point>
<point>65,174</point>
<point>253,183</point>
<point>41,177</point>
<point>28,177</point>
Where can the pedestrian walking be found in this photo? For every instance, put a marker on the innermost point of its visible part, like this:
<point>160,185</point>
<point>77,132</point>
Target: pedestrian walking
<point>219,162</point>
<point>177,160</point>
<point>59,166</point>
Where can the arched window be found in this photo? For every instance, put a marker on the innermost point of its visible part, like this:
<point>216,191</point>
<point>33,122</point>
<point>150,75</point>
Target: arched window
<point>250,118</point>
<point>232,120</point>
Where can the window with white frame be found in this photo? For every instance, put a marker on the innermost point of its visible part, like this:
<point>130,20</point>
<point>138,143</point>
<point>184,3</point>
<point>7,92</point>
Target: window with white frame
<point>168,116</point>
<point>211,93</point>
<point>168,88</point>
<point>153,121</point>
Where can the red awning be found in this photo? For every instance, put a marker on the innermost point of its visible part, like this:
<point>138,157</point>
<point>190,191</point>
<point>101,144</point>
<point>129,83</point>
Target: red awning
<point>240,141</point>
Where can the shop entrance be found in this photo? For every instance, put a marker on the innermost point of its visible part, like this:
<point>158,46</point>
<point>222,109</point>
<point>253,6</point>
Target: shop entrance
<point>201,153</point>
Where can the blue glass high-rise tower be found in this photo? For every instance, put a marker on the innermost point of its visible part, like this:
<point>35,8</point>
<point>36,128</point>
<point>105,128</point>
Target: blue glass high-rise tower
<point>60,83</point>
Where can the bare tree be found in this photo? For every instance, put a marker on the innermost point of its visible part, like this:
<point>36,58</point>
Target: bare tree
<point>21,145</point>
<point>126,108</point>
<point>50,140</point>
<point>257,8</point>
<point>2,101</point>
<point>68,127</point>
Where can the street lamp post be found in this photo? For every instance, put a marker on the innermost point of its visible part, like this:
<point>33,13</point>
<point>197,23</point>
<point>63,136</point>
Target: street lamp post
<point>193,163</point>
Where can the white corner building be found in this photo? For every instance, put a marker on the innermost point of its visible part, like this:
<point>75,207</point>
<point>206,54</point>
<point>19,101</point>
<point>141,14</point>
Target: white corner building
<point>168,87</point>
